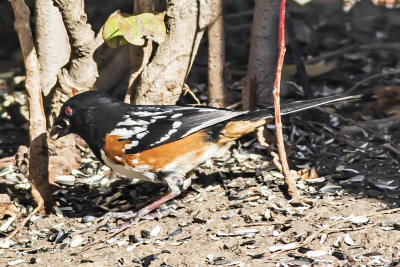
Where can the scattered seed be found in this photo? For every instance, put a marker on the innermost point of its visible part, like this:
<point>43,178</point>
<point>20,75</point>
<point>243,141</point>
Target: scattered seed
<point>282,247</point>
<point>323,238</point>
<point>339,255</point>
<point>228,216</point>
<point>277,174</point>
<point>76,241</point>
<point>330,189</point>
<point>316,253</point>
<point>315,180</point>
<point>145,234</point>
<point>248,242</point>
<point>155,231</point>
<point>220,261</point>
<point>88,218</point>
<point>58,212</point>
<point>134,239</point>
<point>337,242</point>
<point>174,233</point>
<point>4,227</point>
<point>359,219</point>
<point>15,262</point>
<point>199,220</point>
<point>347,239</point>
<point>65,179</point>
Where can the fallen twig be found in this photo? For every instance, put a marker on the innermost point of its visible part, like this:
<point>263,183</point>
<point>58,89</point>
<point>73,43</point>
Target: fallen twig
<point>36,210</point>
<point>329,230</point>
<point>110,235</point>
<point>371,78</point>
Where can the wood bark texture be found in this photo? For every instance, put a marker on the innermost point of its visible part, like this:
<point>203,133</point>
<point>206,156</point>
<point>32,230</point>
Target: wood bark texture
<point>216,55</point>
<point>38,155</point>
<point>77,76</point>
<point>162,80</point>
<point>263,53</point>
<point>82,71</point>
<point>52,43</point>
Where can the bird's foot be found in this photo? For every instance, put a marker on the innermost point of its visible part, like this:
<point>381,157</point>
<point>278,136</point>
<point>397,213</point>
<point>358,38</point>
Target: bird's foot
<point>131,217</point>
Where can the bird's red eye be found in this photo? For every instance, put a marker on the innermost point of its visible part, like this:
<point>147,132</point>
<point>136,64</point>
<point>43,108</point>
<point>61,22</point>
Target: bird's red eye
<point>68,111</point>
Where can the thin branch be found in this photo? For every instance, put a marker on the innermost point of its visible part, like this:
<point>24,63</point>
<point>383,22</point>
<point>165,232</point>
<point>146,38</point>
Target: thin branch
<point>186,90</point>
<point>216,55</point>
<point>36,210</point>
<point>341,51</point>
<point>289,179</point>
<point>371,78</point>
<point>329,229</point>
<point>110,235</point>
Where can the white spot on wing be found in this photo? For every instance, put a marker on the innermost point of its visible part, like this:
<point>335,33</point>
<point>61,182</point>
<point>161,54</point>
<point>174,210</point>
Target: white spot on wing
<point>118,158</point>
<point>137,130</point>
<point>123,133</point>
<point>164,138</point>
<point>129,122</point>
<point>133,144</point>
<point>176,124</point>
<point>170,132</point>
<point>149,113</point>
<point>159,117</point>
<point>177,115</point>
<point>141,135</point>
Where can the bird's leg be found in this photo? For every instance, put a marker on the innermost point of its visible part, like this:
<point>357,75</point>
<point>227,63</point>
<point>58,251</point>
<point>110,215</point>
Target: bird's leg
<point>175,185</point>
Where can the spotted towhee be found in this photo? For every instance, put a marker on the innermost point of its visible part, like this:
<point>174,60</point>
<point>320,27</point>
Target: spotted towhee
<point>161,144</point>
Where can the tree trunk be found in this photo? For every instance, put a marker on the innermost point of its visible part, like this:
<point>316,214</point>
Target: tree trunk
<point>216,55</point>
<point>52,43</point>
<point>162,80</point>
<point>78,76</point>
<point>81,73</point>
<point>38,154</point>
<point>263,54</point>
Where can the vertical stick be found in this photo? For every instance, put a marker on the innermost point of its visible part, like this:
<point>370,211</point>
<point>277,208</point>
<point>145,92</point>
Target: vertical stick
<point>216,55</point>
<point>38,154</point>
<point>289,180</point>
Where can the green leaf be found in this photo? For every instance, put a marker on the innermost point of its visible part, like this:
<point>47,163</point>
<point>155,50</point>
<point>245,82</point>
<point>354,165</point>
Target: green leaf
<point>146,25</point>
<point>111,33</point>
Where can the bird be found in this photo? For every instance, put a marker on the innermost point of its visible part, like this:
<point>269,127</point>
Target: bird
<point>161,144</point>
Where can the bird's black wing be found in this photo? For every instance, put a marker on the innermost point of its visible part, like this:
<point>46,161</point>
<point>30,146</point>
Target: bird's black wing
<point>152,126</point>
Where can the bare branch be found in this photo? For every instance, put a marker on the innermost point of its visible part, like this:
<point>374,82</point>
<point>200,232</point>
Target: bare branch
<point>216,55</point>
<point>289,180</point>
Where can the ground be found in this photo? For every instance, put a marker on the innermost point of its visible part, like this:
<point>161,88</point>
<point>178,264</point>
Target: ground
<point>235,214</point>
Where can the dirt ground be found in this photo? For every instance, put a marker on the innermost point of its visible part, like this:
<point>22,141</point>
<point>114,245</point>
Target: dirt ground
<point>235,219</point>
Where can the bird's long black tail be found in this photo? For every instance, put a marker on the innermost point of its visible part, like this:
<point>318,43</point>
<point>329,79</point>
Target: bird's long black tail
<point>296,107</point>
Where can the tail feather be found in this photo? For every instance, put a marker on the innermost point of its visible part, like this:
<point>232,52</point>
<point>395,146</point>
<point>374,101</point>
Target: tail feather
<point>311,103</point>
<point>296,107</point>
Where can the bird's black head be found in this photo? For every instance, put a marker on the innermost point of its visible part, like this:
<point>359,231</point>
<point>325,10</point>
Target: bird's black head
<point>88,115</point>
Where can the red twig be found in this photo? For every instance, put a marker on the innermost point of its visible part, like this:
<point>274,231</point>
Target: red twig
<point>289,180</point>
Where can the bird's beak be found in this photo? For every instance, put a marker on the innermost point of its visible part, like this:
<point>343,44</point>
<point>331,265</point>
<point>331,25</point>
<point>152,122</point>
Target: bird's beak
<point>60,128</point>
